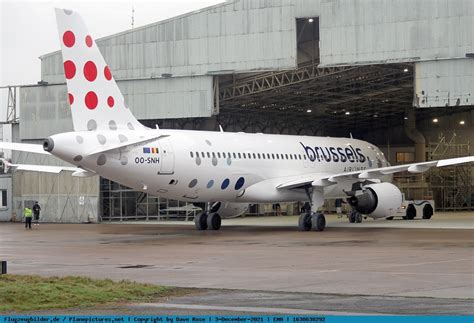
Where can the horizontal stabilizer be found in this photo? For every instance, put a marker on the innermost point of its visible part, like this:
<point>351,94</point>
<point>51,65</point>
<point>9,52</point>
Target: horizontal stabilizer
<point>82,173</point>
<point>31,148</point>
<point>138,141</point>
<point>41,168</point>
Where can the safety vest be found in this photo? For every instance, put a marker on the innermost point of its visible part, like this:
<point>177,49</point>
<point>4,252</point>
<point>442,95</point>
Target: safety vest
<point>27,212</point>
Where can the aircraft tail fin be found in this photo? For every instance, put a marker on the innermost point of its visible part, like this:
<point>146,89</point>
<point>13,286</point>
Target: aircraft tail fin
<point>95,99</point>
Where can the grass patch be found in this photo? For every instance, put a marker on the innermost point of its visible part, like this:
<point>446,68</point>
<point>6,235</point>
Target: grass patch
<point>27,293</point>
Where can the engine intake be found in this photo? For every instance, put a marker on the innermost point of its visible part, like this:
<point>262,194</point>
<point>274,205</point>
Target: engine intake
<point>377,200</point>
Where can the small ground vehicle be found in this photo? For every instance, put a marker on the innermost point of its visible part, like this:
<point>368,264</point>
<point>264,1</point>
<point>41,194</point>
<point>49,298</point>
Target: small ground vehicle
<point>411,209</point>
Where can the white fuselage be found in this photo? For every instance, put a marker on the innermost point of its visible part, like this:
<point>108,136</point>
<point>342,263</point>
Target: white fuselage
<point>201,166</point>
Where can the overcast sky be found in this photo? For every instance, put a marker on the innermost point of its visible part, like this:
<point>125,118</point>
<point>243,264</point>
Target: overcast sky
<point>28,29</point>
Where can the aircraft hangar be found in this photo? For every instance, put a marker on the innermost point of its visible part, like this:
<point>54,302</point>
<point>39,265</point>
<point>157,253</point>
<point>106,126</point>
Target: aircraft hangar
<point>398,74</point>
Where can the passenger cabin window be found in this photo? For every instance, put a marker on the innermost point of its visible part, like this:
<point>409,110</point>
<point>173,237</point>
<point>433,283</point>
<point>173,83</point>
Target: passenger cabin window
<point>191,153</point>
<point>218,155</point>
<point>239,155</point>
<point>234,155</point>
<point>208,155</point>
<point>203,155</point>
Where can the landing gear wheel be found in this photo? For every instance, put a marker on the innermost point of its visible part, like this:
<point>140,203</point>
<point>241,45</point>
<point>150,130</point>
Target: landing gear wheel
<point>213,221</point>
<point>304,222</point>
<point>200,221</point>
<point>318,222</point>
<point>390,218</point>
<point>352,216</point>
<point>427,212</point>
<point>355,217</point>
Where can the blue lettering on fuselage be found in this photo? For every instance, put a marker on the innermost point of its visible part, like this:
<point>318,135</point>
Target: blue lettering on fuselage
<point>334,154</point>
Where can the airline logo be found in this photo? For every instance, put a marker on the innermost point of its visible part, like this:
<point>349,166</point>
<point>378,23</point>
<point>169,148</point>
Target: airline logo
<point>150,150</point>
<point>335,154</point>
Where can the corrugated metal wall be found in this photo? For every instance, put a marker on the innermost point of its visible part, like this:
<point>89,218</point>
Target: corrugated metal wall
<point>444,82</point>
<point>395,30</point>
<point>63,198</point>
<point>45,111</point>
<point>237,36</point>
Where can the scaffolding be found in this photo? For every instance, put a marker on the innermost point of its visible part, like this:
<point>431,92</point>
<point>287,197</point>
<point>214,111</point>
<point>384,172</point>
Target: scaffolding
<point>452,186</point>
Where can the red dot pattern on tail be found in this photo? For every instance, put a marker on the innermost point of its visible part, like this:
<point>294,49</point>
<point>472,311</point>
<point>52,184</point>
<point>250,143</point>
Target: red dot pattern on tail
<point>110,101</point>
<point>90,71</point>
<point>71,98</point>
<point>88,41</point>
<point>69,69</point>
<point>107,73</point>
<point>91,100</point>
<point>69,39</point>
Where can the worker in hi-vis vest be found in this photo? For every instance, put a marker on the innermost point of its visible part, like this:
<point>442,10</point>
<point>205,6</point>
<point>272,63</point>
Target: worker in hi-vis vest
<point>28,214</point>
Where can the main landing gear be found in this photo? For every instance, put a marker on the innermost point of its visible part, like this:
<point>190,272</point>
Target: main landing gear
<point>312,219</point>
<point>355,216</point>
<point>208,221</point>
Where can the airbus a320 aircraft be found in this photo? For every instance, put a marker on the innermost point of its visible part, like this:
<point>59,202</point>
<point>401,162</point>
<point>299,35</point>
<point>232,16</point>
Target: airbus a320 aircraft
<point>227,171</point>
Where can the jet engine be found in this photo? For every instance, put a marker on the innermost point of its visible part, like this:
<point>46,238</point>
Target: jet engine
<point>377,200</point>
<point>229,210</point>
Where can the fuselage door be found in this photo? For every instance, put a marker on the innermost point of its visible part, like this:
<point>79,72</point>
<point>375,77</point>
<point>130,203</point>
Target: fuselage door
<point>167,157</point>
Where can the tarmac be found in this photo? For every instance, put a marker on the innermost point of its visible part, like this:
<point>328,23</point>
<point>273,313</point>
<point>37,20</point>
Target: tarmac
<point>264,264</point>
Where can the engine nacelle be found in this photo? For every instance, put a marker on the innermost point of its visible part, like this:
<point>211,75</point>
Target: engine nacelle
<point>377,200</point>
<point>229,210</point>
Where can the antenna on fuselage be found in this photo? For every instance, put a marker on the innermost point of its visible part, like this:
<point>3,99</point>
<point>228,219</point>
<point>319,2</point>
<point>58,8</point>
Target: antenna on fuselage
<point>220,128</point>
<point>157,126</point>
<point>350,133</point>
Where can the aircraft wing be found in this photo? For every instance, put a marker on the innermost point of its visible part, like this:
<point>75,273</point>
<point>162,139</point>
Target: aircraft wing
<point>322,180</point>
<point>31,148</point>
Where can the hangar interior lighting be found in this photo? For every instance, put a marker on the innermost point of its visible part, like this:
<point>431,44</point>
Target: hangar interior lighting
<point>435,120</point>
<point>461,122</point>
<point>309,110</point>
<point>347,113</point>
<point>310,20</point>
<point>405,70</point>
<point>405,118</point>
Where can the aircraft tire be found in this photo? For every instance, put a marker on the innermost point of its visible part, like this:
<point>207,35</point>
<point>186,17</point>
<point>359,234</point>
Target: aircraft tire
<point>214,221</point>
<point>358,217</point>
<point>304,222</point>
<point>318,222</point>
<point>352,217</point>
<point>200,221</point>
<point>390,218</point>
